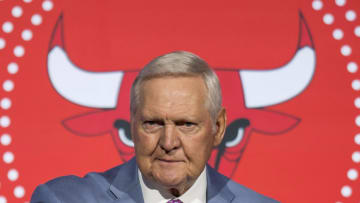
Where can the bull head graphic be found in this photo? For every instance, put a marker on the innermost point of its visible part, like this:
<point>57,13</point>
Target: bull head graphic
<point>246,94</point>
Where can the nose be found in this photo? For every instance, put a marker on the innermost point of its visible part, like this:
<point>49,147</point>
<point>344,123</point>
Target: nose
<point>169,140</point>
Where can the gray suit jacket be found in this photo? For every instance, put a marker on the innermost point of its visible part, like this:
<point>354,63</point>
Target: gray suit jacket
<point>121,184</point>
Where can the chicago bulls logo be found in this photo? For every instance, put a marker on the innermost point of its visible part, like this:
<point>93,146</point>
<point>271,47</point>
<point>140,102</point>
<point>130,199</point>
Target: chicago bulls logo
<point>246,94</point>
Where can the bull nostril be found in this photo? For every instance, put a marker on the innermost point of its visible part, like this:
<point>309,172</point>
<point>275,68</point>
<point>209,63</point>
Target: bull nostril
<point>237,139</point>
<point>123,128</point>
<point>234,134</point>
<point>235,131</point>
<point>243,122</point>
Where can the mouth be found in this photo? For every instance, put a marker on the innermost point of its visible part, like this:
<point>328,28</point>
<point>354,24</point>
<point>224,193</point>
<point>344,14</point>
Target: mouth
<point>168,161</point>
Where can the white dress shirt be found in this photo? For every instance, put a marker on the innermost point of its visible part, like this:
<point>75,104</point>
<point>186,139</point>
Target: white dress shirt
<point>195,194</point>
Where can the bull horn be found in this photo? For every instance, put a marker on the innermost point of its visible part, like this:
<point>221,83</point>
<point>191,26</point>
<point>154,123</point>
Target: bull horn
<point>270,87</point>
<point>90,89</point>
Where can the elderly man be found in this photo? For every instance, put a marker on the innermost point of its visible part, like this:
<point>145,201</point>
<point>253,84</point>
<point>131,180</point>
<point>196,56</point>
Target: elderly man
<point>176,121</point>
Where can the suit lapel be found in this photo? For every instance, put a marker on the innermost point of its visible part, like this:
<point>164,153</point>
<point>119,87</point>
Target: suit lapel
<point>217,190</point>
<point>126,185</point>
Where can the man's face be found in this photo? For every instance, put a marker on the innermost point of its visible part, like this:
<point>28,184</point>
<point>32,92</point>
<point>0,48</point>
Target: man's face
<point>172,131</point>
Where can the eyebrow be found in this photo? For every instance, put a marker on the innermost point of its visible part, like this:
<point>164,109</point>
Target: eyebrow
<point>176,120</point>
<point>149,115</point>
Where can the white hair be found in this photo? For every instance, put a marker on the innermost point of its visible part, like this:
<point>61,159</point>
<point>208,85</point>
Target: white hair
<point>177,64</point>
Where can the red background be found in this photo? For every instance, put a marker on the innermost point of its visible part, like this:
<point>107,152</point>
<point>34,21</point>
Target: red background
<point>306,164</point>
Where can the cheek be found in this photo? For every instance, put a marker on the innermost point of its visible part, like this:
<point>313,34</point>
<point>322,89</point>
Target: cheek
<point>198,148</point>
<point>145,144</point>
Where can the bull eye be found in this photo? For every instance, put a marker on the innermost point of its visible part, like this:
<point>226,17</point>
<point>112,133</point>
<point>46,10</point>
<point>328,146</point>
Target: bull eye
<point>235,132</point>
<point>124,132</point>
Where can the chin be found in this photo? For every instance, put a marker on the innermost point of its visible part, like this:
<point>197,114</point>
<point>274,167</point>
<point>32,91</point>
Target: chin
<point>169,181</point>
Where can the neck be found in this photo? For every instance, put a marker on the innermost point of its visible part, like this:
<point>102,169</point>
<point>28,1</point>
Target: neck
<point>166,191</point>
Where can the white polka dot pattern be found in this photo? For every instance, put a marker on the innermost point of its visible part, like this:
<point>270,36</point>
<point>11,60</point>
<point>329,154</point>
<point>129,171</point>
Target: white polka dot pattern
<point>340,33</point>
<point>5,103</point>
<point>36,19</point>
<point>8,85</point>
<point>357,31</point>
<point>19,51</point>
<point>7,27</point>
<point>5,139</point>
<point>13,175</point>
<point>352,174</point>
<point>328,19</point>
<point>10,28</point>
<point>357,102</point>
<point>356,157</point>
<point>16,11</point>
<point>346,50</point>
<point>4,121</point>
<point>346,191</point>
<point>47,5</point>
<point>350,15</point>
<point>26,35</point>
<point>356,85</point>
<point>3,199</point>
<point>13,68</point>
<point>19,191</point>
<point>340,2</point>
<point>8,157</point>
<point>317,5</point>
<point>357,139</point>
<point>352,67</point>
<point>2,43</point>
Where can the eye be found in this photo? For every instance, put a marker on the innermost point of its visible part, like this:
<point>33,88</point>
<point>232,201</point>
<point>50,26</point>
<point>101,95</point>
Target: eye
<point>152,125</point>
<point>186,126</point>
<point>235,132</point>
<point>124,132</point>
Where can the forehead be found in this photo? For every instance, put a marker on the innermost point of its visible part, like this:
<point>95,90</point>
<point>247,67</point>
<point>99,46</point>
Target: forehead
<point>174,94</point>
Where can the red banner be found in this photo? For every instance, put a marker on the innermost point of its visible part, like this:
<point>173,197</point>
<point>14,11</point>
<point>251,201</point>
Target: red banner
<point>289,72</point>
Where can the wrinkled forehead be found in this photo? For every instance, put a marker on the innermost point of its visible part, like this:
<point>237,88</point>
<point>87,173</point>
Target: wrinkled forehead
<point>181,80</point>
<point>169,91</point>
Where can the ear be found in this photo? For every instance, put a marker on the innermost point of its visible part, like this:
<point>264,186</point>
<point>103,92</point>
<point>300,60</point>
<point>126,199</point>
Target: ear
<point>220,127</point>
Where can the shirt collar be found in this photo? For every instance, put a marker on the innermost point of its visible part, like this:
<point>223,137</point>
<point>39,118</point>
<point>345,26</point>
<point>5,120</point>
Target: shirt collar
<point>195,194</point>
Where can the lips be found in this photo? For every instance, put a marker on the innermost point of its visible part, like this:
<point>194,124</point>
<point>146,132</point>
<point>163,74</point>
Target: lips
<point>168,160</point>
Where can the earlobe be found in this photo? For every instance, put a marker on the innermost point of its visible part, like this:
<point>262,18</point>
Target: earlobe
<point>220,127</point>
